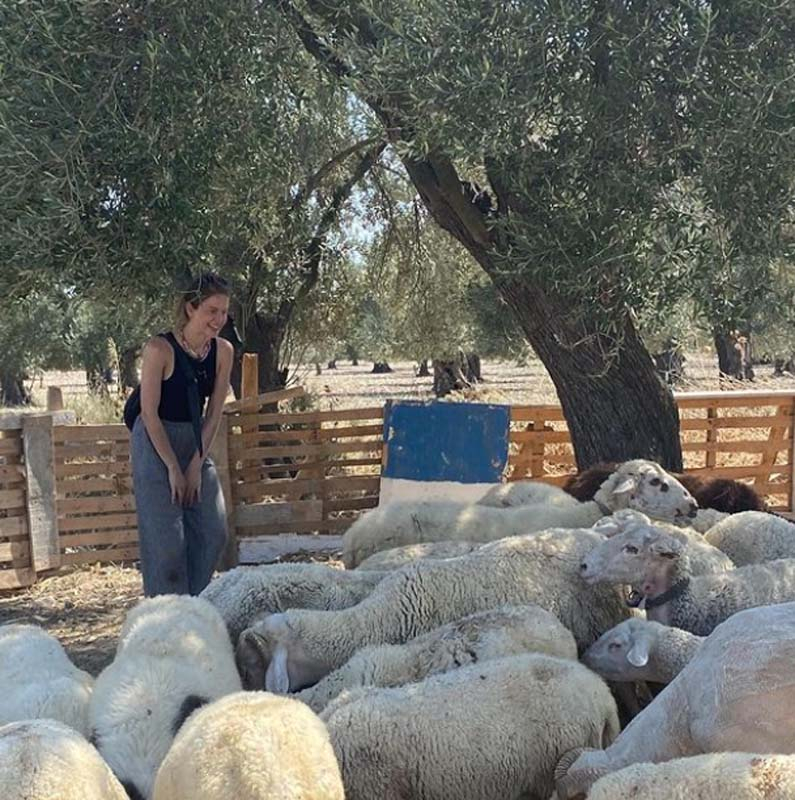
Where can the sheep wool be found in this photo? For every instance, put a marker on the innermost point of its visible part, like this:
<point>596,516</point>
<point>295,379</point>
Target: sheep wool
<point>251,746</point>
<point>301,647</point>
<point>398,557</point>
<point>488,635</point>
<point>484,732</point>
<point>739,776</point>
<point>753,537</point>
<point>46,760</point>
<point>736,694</point>
<point>174,655</point>
<point>244,594</point>
<point>642,485</point>
<point>39,679</point>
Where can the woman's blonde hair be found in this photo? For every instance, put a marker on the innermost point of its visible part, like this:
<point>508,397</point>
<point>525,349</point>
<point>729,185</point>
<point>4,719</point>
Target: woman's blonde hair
<point>203,286</point>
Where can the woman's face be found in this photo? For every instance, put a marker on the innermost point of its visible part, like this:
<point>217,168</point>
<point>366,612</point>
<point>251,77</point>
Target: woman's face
<point>210,315</point>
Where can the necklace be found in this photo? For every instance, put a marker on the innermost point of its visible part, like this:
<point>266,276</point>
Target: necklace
<point>190,351</point>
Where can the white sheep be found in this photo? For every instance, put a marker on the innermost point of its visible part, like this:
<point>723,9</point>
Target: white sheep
<point>639,484</point>
<point>173,656</point>
<point>398,557</point>
<point>45,760</point>
<point>739,776</point>
<point>251,746</point>
<point>484,732</point>
<point>485,636</point>
<point>641,650</point>
<point>737,693</point>
<point>39,680</point>
<point>672,594</point>
<point>753,537</point>
<point>637,535</point>
<point>525,493</point>
<point>244,594</point>
<point>301,646</point>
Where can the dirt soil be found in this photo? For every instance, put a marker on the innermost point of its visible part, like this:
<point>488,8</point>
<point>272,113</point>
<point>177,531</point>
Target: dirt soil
<point>85,606</point>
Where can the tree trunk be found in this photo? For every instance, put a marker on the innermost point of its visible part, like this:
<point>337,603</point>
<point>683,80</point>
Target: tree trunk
<point>616,408</point>
<point>423,371</point>
<point>264,336</point>
<point>380,367</point>
<point>12,389</point>
<point>473,372</point>
<point>318,371</point>
<point>448,376</point>
<point>332,364</point>
<point>128,373</point>
<point>670,362</point>
<point>734,360</point>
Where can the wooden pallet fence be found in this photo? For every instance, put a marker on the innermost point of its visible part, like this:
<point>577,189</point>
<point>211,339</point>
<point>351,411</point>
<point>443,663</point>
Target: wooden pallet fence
<point>16,567</point>
<point>304,472</point>
<point>743,435</point>
<point>96,507</point>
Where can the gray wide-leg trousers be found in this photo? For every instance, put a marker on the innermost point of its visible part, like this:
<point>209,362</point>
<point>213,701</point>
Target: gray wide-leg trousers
<point>179,546</point>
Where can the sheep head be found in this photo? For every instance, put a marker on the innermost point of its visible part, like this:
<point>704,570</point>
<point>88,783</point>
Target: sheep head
<point>645,486</point>
<point>622,653</point>
<point>284,655</point>
<point>632,557</point>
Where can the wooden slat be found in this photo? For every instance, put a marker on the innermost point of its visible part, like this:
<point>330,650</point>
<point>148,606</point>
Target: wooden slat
<point>96,522</point>
<point>550,437</point>
<point>751,471</point>
<point>298,527</point>
<point>16,578</point>
<point>66,434</point>
<point>351,503</point>
<point>127,536</point>
<point>85,485</point>
<point>13,526</point>
<point>12,498</point>
<point>344,483</point>
<point>92,505</point>
<point>260,472</point>
<point>101,556</point>
<point>15,551</point>
<point>13,473</point>
<point>93,468</point>
<point>10,446</point>
<point>308,450</point>
<point>733,422</point>
<point>247,516</point>
<point>241,441</point>
<point>264,399</point>
<point>529,413</point>
<point>94,451</point>
<point>744,446</point>
<point>750,399</point>
<point>340,415</point>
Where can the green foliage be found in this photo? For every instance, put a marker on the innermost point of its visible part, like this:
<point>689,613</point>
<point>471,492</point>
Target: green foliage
<point>581,116</point>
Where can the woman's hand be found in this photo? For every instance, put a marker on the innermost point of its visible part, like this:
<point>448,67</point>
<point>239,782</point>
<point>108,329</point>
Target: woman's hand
<point>178,485</point>
<point>193,481</point>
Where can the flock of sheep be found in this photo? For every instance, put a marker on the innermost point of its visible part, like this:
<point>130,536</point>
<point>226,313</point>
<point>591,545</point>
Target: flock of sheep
<point>613,642</point>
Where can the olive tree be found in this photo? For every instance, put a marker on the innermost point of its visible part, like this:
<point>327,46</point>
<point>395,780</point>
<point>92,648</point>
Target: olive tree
<point>543,136</point>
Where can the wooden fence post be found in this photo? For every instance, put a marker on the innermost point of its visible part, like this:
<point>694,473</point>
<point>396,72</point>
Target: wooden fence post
<point>39,453</point>
<point>220,456</point>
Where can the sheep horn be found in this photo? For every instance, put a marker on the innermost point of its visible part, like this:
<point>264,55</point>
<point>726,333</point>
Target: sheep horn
<point>575,787</point>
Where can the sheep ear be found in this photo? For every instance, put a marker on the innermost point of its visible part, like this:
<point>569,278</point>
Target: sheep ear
<point>626,484</point>
<point>277,679</point>
<point>638,654</point>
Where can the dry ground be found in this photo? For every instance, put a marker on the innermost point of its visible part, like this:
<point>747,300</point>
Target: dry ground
<point>85,606</point>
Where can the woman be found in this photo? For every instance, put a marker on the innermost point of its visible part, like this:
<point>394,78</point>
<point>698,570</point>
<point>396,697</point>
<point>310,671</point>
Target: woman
<point>178,498</point>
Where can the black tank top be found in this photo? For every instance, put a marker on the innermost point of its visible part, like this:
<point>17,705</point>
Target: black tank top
<point>174,390</point>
